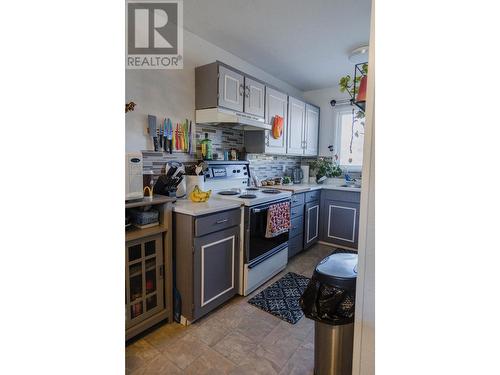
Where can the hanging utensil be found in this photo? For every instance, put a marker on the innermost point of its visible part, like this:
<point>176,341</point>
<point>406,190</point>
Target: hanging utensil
<point>152,130</point>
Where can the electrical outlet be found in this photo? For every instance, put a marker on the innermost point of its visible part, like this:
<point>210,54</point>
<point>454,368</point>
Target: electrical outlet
<point>283,168</point>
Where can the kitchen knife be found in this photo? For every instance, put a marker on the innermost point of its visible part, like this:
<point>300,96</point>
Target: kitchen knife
<point>160,133</point>
<point>189,137</point>
<point>169,135</point>
<point>152,130</point>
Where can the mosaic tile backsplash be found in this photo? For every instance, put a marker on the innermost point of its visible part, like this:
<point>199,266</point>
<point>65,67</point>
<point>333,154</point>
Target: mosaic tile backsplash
<point>224,138</point>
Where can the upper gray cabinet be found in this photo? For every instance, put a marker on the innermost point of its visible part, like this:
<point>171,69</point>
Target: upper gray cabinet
<point>231,89</point>
<point>219,85</point>
<point>254,97</point>
<point>311,130</point>
<point>276,105</point>
<point>296,126</point>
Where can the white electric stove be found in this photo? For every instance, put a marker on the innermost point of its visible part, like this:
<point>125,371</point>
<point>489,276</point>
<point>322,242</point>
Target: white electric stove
<point>261,257</point>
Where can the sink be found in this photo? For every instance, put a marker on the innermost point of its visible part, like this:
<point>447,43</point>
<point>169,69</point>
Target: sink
<point>351,186</point>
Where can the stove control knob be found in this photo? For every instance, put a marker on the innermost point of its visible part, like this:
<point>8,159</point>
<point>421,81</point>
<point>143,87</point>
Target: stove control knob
<point>234,170</point>
<point>245,173</point>
<point>238,171</point>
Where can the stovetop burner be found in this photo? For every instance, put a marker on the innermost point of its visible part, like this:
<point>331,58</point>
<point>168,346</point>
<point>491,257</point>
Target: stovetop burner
<point>248,196</point>
<point>228,192</point>
<point>252,189</point>
<point>270,191</point>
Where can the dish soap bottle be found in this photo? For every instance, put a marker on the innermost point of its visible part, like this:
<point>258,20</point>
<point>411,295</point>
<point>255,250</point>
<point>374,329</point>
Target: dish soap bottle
<point>206,148</point>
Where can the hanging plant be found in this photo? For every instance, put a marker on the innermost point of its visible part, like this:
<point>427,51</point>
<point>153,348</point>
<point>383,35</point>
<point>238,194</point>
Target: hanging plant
<point>347,84</point>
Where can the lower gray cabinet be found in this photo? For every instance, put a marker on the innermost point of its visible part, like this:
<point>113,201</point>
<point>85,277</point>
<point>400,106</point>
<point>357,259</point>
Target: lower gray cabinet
<point>206,259</point>
<point>311,224</point>
<point>340,221</point>
<point>216,259</point>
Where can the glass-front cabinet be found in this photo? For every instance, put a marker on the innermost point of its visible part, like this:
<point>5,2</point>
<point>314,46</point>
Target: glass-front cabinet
<point>144,268</point>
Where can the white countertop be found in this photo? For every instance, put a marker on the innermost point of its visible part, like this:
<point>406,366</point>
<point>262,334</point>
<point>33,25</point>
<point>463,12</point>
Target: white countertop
<point>299,188</point>
<point>186,206</point>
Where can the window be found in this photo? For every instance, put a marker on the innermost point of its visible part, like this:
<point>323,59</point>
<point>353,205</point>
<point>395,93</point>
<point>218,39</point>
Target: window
<point>350,137</point>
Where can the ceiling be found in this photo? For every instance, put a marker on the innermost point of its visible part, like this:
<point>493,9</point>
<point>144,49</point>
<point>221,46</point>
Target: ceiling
<point>304,43</point>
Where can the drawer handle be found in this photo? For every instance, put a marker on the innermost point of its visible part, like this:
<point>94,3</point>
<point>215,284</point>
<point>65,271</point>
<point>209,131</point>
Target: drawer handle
<point>221,221</point>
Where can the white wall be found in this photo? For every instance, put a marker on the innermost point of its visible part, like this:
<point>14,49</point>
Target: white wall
<point>170,93</point>
<point>322,99</point>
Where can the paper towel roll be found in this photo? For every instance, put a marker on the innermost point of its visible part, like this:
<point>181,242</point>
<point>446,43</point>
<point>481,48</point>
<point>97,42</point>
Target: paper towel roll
<point>305,171</point>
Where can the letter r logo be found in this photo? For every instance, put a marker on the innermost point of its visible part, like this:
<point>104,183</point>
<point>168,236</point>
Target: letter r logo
<point>152,28</point>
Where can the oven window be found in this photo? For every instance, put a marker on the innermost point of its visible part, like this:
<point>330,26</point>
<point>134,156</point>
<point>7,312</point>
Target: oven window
<point>259,244</point>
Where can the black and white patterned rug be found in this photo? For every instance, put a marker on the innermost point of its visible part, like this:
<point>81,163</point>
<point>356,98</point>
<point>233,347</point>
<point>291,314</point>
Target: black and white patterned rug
<point>282,297</point>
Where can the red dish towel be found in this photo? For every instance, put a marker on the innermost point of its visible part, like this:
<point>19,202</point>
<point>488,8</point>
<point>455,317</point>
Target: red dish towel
<point>278,219</point>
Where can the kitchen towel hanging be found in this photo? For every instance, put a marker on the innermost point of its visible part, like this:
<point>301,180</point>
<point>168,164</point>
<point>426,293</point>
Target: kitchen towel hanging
<point>277,127</point>
<point>278,219</point>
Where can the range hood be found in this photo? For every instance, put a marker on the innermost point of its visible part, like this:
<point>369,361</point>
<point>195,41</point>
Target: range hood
<point>237,120</point>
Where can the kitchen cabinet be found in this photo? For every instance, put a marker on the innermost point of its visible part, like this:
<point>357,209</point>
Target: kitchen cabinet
<point>311,130</point>
<point>296,126</point>
<point>207,252</point>
<point>144,275</point>
<point>311,223</point>
<point>303,128</point>
<point>231,89</point>
<point>263,142</point>
<point>219,85</point>
<point>340,218</point>
<point>148,269</point>
<point>254,97</point>
<point>296,233</point>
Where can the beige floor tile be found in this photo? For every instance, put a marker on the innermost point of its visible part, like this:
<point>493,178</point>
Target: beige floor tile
<point>210,362</point>
<point>236,347</point>
<point>166,335</point>
<point>301,363</point>
<point>253,364</point>
<point>158,365</point>
<point>185,351</point>
<point>139,354</point>
<point>257,325</point>
<point>278,352</point>
<point>210,331</point>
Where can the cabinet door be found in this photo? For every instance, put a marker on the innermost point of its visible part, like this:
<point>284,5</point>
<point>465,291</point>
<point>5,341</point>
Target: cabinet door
<point>216,259</point>
<point>276,105</point>
<point>311,130</point>
<point>296,124</point>
<point>340,221</point>
<point>231,89</point>
<point>254,97</point>
<point>311,224</point>
<point>144,273</point>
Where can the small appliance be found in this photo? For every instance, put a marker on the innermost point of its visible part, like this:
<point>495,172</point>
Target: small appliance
<point>305,173</point>
<point>297,175</point>
<point>133,176</point>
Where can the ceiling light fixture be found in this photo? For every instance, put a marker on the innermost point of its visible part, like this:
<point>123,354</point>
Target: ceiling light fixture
<point>359,54</point>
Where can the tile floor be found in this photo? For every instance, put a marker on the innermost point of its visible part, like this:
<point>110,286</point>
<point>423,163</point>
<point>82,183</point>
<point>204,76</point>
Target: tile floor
<point>237,338</point>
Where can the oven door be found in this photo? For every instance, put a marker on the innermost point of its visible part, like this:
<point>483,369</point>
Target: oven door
<point>258,245</point>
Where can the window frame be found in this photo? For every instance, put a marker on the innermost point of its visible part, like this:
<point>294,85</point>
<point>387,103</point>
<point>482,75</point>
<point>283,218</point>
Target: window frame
<point>338,133</point>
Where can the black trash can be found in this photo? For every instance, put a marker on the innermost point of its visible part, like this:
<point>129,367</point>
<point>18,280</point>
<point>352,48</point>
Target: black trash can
<point>329,299</point>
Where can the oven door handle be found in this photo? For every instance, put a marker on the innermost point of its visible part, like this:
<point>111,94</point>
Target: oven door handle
<point>266,257</point>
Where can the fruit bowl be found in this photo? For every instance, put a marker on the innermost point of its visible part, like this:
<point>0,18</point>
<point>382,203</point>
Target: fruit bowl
<point>199,196</point>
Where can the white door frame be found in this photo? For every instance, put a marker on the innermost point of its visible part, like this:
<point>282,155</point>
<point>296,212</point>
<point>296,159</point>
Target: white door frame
<point>364,321</point>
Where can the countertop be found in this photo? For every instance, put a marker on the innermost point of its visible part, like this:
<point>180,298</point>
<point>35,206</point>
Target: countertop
<point>186,206</point>
<point>299,188</point>
<point>157,199</point>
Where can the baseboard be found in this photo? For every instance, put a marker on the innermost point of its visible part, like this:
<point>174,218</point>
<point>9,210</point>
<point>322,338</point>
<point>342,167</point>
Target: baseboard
<point>338,246</point>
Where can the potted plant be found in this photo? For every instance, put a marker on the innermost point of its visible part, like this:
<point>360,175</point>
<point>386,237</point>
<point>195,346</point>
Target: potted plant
<point>356,88</point>
<point>326,169</point>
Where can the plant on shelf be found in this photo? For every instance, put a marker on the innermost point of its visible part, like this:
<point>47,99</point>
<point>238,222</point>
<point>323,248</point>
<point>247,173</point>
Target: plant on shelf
<point>351,86</point>
<point>347,84</point>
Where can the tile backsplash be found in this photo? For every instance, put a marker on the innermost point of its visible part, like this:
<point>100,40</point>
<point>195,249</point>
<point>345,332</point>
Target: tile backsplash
<point>224,138</point>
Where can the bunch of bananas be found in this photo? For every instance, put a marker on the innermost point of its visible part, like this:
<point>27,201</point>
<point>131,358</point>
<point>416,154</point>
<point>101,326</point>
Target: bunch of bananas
<point>199,196</point>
